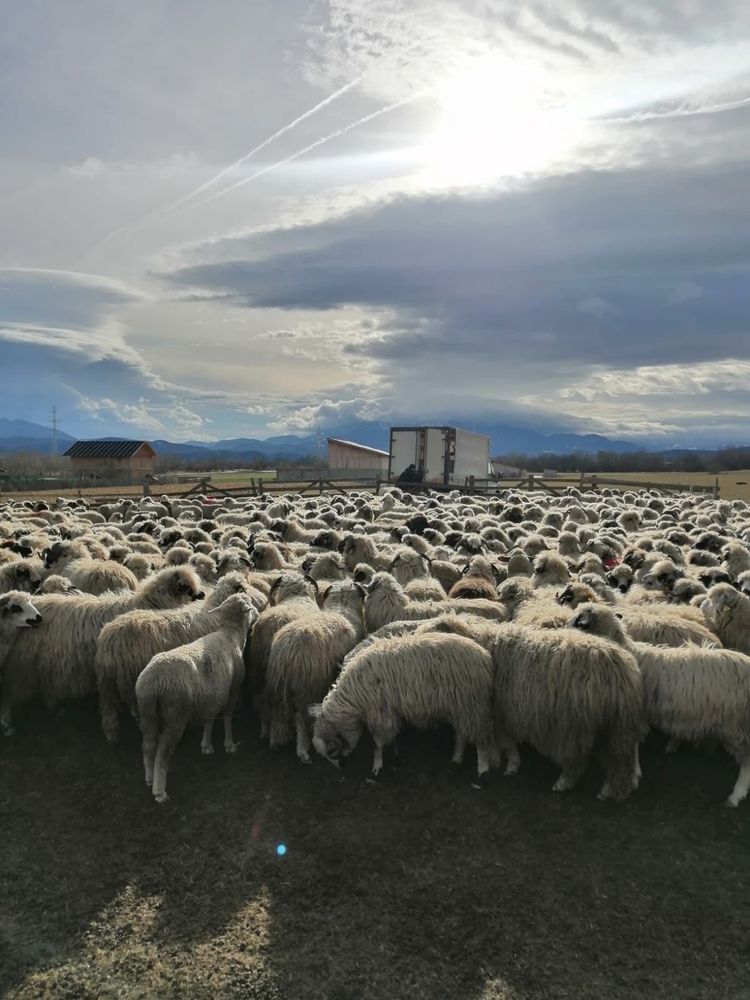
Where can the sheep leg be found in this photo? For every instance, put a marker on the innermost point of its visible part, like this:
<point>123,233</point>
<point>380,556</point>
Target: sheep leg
<point>377,759</point>
<point>108,714</point>
<point>569,777</point>
<point>6,718</point>
<point>229,744</point>
<point>303,737</point>
<point>167,743</point>
<point>206,744</point>
<point>459,749</point>
<point>742,785</point>
<point>637,773</point>
<point>514,759</point>
<point>672,744</point>
<point>483,767</point>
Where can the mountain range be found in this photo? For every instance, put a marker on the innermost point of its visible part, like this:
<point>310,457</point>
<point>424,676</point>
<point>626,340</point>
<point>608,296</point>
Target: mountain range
<point>22,435</point>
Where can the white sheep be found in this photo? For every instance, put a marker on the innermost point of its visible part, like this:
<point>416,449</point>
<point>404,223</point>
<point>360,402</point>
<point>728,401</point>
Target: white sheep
<point>125,646</point>
<point>21,574</point>
<point>424,680</point>
<point>388,602</point>
<point>198,681</point>
<point>56,660</point>
<point>691,693</point>
<point>305,658</point>
<point>16,611</point>
<point>727,611</point>
<point>560,691</point>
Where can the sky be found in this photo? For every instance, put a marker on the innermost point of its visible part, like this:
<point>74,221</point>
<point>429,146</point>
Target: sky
<point>250,219</point>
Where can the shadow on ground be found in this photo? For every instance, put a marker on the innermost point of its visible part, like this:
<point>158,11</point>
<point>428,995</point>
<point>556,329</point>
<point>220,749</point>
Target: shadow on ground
<point>415,887</point>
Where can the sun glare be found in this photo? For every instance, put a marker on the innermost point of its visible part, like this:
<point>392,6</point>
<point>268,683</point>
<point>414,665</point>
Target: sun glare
<point>495,119</point>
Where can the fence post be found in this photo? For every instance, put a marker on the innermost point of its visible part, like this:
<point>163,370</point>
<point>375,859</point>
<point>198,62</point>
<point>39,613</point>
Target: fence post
<point>531,481</point>
<point>716,489</point>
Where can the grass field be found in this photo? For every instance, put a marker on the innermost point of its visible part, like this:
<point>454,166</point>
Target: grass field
<point>415,887</point>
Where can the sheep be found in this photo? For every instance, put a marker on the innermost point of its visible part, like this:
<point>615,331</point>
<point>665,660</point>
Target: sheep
<point>728,612</point>
<point>685,591</point>
<point>736,559</point>
<point>21,574</point>
<point>692,693</point>
<point>560,690</point>
<point>387,602</point>
<point>16,611</point>
<point>125,646</point>
<point>550,570</point>
<point>55,584</point>
<point>56,660</point>
<point>423,680</point>
<point>305,657</point>
<point>200,680</point>
<point>295,596</point>
<point>478,581</point>
<point>95,576</point>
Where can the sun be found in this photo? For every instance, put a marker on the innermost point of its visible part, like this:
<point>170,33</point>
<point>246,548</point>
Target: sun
<point>495,119</point>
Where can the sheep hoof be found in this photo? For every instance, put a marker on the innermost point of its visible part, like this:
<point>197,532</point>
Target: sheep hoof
<point>304,758</point>
<point>207,749</point>
<point>481,780</point>
<point>731,803</point>
<point>8,729</point>
<point>161,797</point>
<point>561,785</point>
<point>510,770</point>
<point>231,747</point>
<point>455,767</point>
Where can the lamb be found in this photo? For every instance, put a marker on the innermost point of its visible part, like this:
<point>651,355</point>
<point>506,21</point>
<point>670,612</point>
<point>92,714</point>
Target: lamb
<point>197,681</point>
<point>560,690</point>
<point>126,645</point>
<point>21,574</point>
<point>305,657</point>
<point>692,693</point>
<point>423,680</point>
<point>56,660</point>
<point>728,612</point>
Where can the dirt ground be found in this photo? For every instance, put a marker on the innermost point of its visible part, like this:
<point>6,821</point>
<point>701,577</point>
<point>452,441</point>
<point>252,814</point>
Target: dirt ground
<point>415,887</point>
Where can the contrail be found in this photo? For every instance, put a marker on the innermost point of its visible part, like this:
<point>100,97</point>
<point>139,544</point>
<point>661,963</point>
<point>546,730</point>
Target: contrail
<point>227,170</point>
<point>680,112</point>
<point>313,145</point>
<point>266,142</point>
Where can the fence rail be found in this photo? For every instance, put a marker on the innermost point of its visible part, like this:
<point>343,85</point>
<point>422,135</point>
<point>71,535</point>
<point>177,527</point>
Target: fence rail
<point>320,485</point>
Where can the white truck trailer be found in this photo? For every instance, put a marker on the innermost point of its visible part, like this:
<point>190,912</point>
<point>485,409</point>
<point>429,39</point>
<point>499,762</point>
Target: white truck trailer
<point>445,455</point>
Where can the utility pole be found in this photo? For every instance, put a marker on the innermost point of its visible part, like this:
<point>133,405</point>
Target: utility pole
<point>54,430</point>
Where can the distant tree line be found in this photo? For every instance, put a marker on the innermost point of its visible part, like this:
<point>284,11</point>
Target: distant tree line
<point>723,460</point>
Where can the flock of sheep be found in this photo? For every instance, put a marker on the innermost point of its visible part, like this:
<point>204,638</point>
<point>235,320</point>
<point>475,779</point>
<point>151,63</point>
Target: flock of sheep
<point>571,623</point>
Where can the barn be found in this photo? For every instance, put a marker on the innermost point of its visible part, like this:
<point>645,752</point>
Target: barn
<point>112,461</point>
<point>357,460</point>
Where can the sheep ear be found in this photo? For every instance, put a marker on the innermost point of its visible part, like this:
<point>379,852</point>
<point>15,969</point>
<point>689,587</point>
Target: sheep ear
<point>313,582</point>
<point>392,563</point>
<point>314,711</point>
<point>325,593</point>
<point>427,559</point>
<point>361,590</point>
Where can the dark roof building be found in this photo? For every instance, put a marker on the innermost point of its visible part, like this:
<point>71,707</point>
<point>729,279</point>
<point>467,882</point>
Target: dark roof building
<point>115,461</point>
<point>108,449</point>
